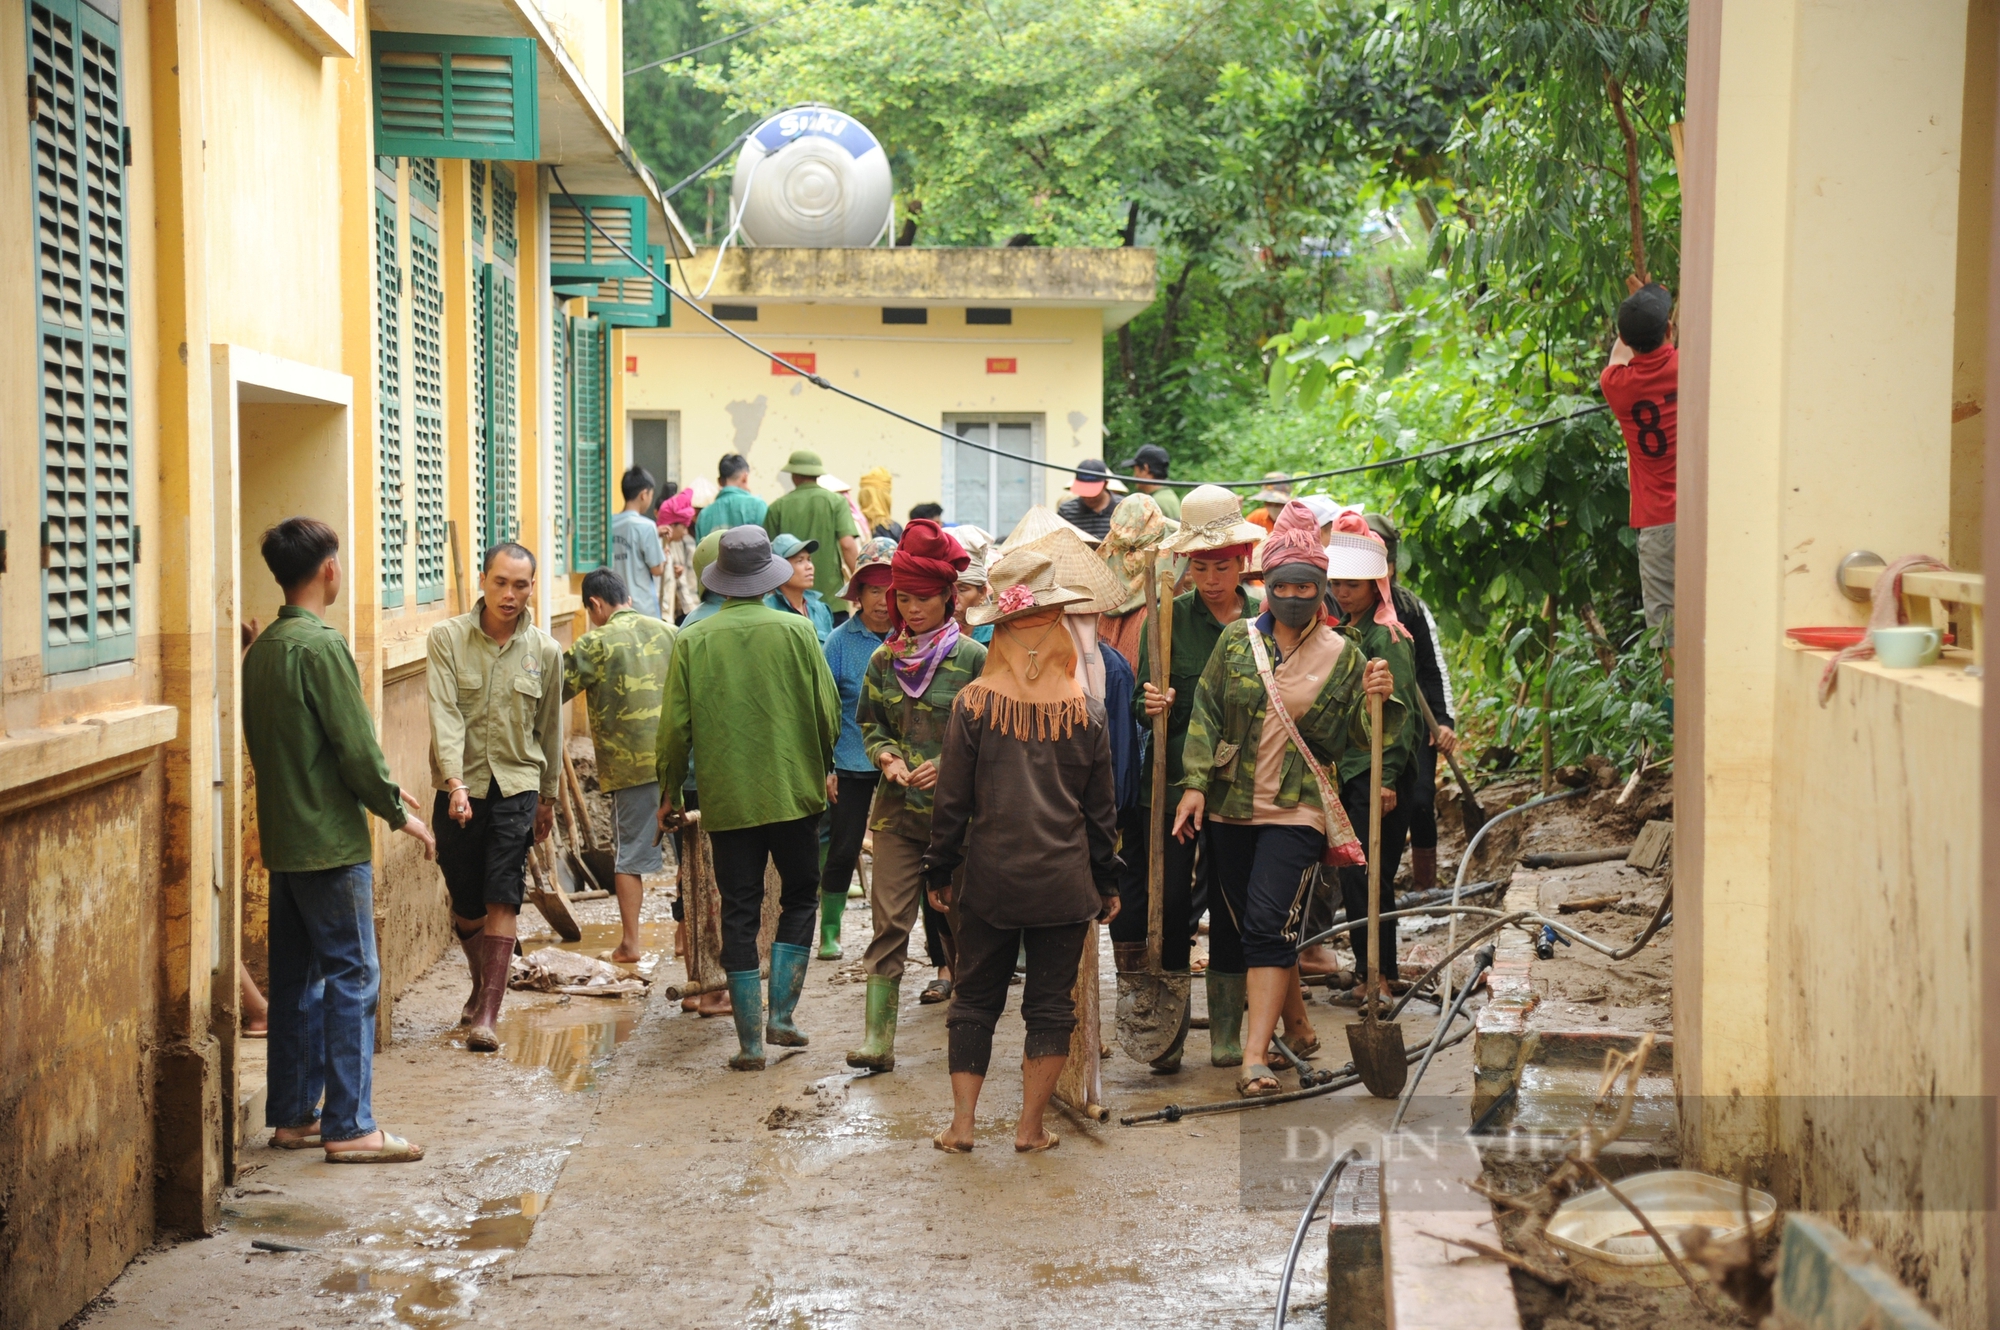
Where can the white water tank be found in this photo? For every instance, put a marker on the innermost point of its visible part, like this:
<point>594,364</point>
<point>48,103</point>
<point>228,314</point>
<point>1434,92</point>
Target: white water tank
<point>814,178</point>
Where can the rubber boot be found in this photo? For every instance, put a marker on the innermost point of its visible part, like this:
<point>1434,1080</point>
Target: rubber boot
<point>878,1045</point>
<point>832,909</point>
<point>746,1001</point>
<point>1169,1062</point>
<point>1423,870</point>
<point>494,955</point>
<point>1226,1001</point>
<point>472,960</point>
<point>788,976</point>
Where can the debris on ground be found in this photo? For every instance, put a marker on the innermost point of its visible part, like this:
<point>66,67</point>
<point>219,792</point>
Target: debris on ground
<point>553,970</point>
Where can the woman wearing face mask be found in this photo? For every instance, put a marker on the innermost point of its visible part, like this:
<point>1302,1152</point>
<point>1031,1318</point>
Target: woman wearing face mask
<point>1368,610</point>
<point>1280,701</point>
<point>906,699</point>
<point>1025,805</point>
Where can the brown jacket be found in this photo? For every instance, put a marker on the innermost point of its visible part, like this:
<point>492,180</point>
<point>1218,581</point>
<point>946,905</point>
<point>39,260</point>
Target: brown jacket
<point>1034,822</point>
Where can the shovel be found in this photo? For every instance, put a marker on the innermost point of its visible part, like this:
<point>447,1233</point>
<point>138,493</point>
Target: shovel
<point>1152,1004</point>
<point>1469,809</point>
<point>1377,1045</point>
<point>598,865</point>
<point>550,900</point>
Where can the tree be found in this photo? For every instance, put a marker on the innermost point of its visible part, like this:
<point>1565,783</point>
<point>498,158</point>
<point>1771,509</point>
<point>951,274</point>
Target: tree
<point>674,122</point>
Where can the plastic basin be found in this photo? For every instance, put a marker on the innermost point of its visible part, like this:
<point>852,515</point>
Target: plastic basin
<point>1605,1243</point>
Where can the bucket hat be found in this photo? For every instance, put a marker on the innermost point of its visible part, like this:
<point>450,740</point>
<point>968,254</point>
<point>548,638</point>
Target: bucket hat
<point>1022,581</point>
<point>803,462</point>
<point>1212,519</point>
<point>744,565</point>
<point>875,553</point>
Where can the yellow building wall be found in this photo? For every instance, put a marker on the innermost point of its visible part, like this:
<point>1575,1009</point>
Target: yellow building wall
<point>272,175</point>
<point>729,399</point>
<point>1839,898</point>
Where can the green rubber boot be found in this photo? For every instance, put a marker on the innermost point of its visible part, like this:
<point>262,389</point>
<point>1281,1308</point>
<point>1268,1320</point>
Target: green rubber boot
<point>788,976</point>
<point>878,1046</point>
<point>832,909</point>
<point>746,1002</point>
<point>1226,1000</point>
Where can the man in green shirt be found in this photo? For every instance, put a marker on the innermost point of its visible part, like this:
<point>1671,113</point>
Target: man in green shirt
<point>751,704</point>
<point>814,513</point>
<point>1148,467</point>
<point>319,774</point>
<point>734,504</point>
<point>621,665</point>
<point>495,684</point>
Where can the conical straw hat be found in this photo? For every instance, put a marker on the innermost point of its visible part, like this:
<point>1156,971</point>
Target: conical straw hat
<point>1078,568</point>
<point>1037,522</point>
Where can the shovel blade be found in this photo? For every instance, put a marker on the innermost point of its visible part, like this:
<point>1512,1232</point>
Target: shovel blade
<point>602,864</point>
<point>1379,1059</point>
<point>1474,816</point>
<point>1151,1009</point>
<point>555,909</point>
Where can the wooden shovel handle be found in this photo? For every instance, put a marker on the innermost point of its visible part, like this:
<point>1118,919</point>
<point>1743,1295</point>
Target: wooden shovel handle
<point>1374,851</point>
<point>1156,849</point>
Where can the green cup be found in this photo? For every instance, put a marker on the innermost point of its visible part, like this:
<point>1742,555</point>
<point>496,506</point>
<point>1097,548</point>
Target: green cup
<point>1908,647</point>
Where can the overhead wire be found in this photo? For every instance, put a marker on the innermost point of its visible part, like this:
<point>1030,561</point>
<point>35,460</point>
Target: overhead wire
<point>697,50</point>
<point>820,381</point>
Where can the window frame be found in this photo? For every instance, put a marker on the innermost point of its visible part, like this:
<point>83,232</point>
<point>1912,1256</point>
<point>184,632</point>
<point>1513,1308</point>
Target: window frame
<point>1037,423</point>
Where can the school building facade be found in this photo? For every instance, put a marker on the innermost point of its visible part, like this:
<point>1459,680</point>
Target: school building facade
<point>278,257</point>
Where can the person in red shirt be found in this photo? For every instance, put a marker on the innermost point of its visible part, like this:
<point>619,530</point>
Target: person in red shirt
<point>1641,384</point>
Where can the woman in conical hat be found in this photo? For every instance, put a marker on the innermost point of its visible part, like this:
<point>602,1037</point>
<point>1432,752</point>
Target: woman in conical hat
<point>1278,704</point>
<point>1024,801</point>
<point>1138,528</point>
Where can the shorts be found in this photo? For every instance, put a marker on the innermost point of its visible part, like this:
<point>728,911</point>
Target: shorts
<point>485,860</point>
<point>1656,578</point>
<point>635,816</point>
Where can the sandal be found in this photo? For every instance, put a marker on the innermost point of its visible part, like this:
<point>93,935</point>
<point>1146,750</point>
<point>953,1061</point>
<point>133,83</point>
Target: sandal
<point>247,1033</point>
<point>1050,1144</point>
<point>938,1143</point>
<point>937,990</point>
<point>1304,1052</point>
<point>395,1150</point>
<point>1253,1073</point>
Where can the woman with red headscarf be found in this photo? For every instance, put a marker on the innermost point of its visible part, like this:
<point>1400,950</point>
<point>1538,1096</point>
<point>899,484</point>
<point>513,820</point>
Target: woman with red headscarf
<point>906,697</point>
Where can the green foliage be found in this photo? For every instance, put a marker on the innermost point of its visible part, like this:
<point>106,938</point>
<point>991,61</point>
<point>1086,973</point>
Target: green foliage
<point>1615,714</point>
<point>674,122</point>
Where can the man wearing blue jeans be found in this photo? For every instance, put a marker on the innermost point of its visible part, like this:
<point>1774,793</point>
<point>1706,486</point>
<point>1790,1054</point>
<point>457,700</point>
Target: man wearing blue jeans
<point>319,773</point>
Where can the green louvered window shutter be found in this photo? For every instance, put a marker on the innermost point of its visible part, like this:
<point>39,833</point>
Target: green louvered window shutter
<point>559,431</point>
<point>635,302</point>
<point>590,511</point>
<point>89,545</point>
<point>452,96</point>
<point>578,248</point>
<point>482,394</point>
<point>506,238</point>
<point>503,340</point>
<point>496,432</point>
<point>394,529</point>
<point>427,403</point>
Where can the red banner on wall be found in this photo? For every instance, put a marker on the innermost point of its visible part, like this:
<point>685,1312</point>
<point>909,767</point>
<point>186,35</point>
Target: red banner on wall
<point>1001,365</point>
<point>802,362</point>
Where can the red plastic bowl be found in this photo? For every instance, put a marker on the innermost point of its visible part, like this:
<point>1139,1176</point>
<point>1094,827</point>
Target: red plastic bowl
<point>1827,639</point>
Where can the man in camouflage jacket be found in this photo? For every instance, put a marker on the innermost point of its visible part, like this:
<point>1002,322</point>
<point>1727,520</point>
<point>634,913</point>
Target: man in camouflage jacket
<point>620,666</point>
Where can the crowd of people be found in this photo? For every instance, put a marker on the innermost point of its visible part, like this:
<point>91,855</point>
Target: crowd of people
<point>972,714</point>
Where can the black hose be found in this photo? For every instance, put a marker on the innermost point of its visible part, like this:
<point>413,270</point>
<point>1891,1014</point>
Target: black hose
<point>1331,1176</point>
<point>1481,963</point>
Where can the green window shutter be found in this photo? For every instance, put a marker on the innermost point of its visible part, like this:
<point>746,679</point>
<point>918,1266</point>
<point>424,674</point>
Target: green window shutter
<point>427,407</point>
<point>506,241</point>
<point>478,172</point>
<point>496,465</point>
<point>634,302</point>
<point>482,391</point>
<point>577,249</point>
<point>394,529</point>
<point>452,96</point>
<point>425,188</point>
<point>559,432</point>
<point>82,340</point>
<point>590,512</point>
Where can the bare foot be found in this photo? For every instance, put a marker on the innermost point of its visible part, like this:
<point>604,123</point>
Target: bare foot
<point>714,1004</point>
<point>292,1135</point>
<point>625,956</point>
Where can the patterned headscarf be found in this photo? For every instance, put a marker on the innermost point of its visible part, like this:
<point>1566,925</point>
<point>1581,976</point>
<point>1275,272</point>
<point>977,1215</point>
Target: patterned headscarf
<point>1353,524</point>
<point>1137,528</point>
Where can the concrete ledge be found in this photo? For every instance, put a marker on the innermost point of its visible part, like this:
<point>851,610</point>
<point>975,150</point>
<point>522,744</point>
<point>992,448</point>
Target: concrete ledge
<point>1827,1281</point>
<point>1428,1283</point>
<point>1502,1024</point>
<point>34,758</point>
<point>1354,1299</point>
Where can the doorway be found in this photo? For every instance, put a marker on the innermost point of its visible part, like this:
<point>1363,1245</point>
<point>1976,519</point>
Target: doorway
<point>654,442</point>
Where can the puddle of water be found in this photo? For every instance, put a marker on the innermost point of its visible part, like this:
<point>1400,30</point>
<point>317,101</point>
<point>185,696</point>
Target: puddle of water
<point>1555,1101</point>
<point>656,943</point>
<point>572,1040</point>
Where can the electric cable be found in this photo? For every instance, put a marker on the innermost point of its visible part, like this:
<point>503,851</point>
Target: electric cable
<point>1481,963</point>
<point>820,381</point>
<point>697,50</point>
<point>1472,847</point>
<point>1332,1175</point>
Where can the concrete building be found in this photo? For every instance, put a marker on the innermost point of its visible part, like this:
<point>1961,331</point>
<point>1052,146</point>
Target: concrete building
<point>273,257</point>
<point>999,346</point>
<point>1837,893</point>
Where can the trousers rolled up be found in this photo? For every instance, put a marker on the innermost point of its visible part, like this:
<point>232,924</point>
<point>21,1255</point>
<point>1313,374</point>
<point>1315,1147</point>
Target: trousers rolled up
<point>740,856</point>
<point>325,981</point>
<point>986,957</point>
<point>1263,874</point>
<point>895,896</point>
<point>1354,881</point>
<point>1135,890</point>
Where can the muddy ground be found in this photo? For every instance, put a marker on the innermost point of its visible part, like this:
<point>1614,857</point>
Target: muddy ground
<point>606,1169</point>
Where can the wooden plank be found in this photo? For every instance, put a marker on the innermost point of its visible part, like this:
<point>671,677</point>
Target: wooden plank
<point>1654,841</point>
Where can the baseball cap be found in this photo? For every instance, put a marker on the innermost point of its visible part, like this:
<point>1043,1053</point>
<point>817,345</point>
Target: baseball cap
<point>785,545</point>
<point>1152,456</point>
<point>1091,477</point>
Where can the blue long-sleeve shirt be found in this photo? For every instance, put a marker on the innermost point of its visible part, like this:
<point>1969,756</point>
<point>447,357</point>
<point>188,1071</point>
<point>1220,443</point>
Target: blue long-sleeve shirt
<point>1119,684</point>
<point>848,648</point>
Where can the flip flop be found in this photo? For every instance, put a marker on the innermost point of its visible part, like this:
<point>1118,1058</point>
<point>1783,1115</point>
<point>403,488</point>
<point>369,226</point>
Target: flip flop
<point>1253,1073</point>
<point>937,1143</point>
<point>1053,1141</point>
<point>264,1033</point>
<point>395,1150</point>
<point>311,1142</point>
<point>937,990</point>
